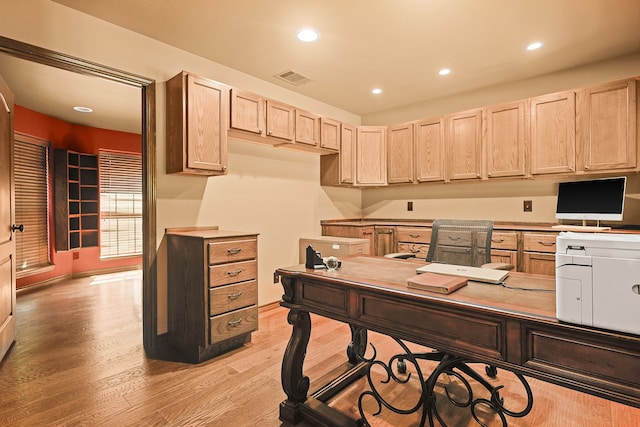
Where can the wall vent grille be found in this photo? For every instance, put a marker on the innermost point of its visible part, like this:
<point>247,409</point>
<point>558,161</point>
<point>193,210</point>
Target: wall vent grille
<point>293,77</point>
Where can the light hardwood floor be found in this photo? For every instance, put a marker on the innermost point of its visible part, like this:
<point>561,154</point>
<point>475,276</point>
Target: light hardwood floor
<point>78,360</point>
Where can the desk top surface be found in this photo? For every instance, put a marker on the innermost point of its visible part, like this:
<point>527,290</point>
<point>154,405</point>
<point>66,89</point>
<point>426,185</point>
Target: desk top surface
<point>390,275</point>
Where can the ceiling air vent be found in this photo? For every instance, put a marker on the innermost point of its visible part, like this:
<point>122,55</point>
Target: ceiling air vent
<point>293,77</point>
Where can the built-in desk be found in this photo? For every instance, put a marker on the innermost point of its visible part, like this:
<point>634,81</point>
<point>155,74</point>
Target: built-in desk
<point>507,328</point>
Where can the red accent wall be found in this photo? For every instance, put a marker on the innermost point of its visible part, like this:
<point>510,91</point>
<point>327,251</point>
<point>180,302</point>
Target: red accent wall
<point>83,139</point>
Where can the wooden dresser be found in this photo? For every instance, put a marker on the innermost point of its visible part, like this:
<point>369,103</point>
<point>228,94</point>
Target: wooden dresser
<point>212,290</point>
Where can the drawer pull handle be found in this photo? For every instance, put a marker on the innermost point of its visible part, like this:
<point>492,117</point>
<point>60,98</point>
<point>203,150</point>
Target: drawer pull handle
<point>414,235</point>
<point>234,251</point>
<point>234,323</point>
<point>547,243</point>
<point>235,272</point>
<point>234,296</point>
<point>497,240</point>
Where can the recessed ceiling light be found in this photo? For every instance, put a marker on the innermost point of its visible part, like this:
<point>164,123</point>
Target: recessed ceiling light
<point>376,91</point>
<point>83,109</point>
<point>308,35</point>
<point>534,46</point>
<point>444,72</point>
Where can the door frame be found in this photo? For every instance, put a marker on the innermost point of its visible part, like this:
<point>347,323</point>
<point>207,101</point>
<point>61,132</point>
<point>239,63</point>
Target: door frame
<point>148,87</point>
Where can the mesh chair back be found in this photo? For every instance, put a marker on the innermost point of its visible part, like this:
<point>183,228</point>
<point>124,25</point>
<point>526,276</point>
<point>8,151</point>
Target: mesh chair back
<point>460,242</point>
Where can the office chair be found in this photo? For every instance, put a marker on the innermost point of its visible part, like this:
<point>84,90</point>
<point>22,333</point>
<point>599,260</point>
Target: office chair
<point>460,242</point>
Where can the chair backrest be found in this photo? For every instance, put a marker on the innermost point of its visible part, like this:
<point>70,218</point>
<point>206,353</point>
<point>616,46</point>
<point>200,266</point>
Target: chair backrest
<point>460,242</point>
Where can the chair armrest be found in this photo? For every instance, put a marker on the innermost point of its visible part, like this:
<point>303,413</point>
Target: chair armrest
<point>401,255</point>
<point>498,266</point>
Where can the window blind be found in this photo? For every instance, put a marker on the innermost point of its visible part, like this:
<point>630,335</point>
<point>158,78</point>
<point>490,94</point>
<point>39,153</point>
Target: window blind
<point>31,172</point>
<point>120,203</point>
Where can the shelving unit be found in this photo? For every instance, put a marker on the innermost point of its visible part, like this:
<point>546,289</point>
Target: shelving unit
<point>76,199</point>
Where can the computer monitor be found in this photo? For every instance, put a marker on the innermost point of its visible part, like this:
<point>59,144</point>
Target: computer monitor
<point>597,199</point>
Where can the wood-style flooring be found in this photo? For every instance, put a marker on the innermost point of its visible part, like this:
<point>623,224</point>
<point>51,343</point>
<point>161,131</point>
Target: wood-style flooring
<point>78,360</point>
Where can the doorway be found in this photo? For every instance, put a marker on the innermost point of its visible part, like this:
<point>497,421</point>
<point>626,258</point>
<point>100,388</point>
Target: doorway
<point>147,88</point>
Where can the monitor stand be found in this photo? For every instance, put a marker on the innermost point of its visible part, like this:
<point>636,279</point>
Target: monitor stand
<point>584,228</point>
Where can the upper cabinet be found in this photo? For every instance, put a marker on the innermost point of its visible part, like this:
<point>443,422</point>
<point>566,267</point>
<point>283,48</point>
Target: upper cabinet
<point>247,112</point>
<point>339,169</point>
<point>329,134</point>
<point>280,120</point>
<point>505,140</point>
<point>371,165</point>
<point>606,127</point>
<point>197,122</point>
<point>400,154</point>
<point>464,145</point>
<point>553,133</point>
<point>430,150</point>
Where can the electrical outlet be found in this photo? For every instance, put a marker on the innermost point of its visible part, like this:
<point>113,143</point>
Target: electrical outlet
<point>409,206</point>
<point>528,206</point>
<point>76,255</point>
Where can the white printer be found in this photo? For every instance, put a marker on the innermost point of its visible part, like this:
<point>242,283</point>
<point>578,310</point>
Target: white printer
<point>598,280</point>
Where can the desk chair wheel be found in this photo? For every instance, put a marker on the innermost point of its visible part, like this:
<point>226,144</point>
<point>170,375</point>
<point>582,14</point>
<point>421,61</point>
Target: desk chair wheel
<point>491,371</point>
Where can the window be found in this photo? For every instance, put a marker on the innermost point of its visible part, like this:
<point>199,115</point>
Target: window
<point>31,164</point>
<point>120,204</point>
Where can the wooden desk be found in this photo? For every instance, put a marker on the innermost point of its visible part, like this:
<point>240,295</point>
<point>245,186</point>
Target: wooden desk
<point>507,328</point>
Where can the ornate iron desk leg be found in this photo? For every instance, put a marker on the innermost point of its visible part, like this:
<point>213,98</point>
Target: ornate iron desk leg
<point>358,344</point>
<point>294,383</point>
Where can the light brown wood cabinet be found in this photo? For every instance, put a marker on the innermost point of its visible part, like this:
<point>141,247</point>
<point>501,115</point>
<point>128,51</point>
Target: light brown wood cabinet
<point>247,111</point>
<point>539,253</point>
<point>400,154</point>
<point>307,126</point>
<point>606,127</point>
<point>430,150</point>
<point>330,134</point>
<point>371,155</point>
<point>339,169</point>
<point>212,291</point>
<point>414,240</point>
<point>553,133</point>
<point>504,247</point>
<point>505,140</point>
<point>463,139</point>
<point>385,240</point>
<point>196,124</point>
<point>280,120</point>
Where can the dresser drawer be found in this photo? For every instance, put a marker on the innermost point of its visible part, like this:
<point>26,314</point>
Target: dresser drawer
<point>504,240</point>
<point>231,324</point>
<point>232,273</point>
<point>420,250</point>
<point>232,297</point>
<point>230,251</point>
<point>414,235</point>
<point>540,242</point>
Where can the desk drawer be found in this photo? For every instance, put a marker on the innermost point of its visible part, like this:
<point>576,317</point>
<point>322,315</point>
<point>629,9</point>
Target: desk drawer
<point>414,235</point>
<point>232,297</point>
<point>540,242</point>
<point>232,324</point>
<point>232,273</point>
<point>504,240</point>
<point>236,250</point>
<point>420,250</point>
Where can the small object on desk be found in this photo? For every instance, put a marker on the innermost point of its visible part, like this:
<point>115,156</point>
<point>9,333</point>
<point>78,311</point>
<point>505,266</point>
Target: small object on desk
<point>436,282</point>
<point>314,259</point>
<point>332,263</point>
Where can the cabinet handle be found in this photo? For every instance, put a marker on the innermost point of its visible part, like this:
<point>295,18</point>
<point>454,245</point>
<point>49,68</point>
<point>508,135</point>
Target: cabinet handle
<point>497,240</point>
<point>414,235</point>
<point>234,296</point>
<point>234,323</point>
<point>234,251</point>
<point>547,243</point>
<point>385,232</point>
<point>235,272</point>
<point>415,250</point>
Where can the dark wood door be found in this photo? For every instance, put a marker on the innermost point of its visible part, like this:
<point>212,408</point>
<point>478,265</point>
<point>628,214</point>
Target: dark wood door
<point>7,243</point>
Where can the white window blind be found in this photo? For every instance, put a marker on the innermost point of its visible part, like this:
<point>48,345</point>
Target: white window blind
<point>120,204</point>
<point>31,164</point>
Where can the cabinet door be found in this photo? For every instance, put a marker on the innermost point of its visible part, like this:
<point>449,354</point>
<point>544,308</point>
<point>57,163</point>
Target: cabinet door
<point>429,150</point>
<point>385,240</point>
<point>505,141</point>
<point>348,137</point>
<point>539,263</point>
<point>329,134</point>
<point>247,111</point>
<point>464,145</point>
<point>307,128</point>
<point>606,127</point>
<point>400,154</point>
<point>280,119</point>
<point>553,133</point>
<point>371,155</point>
<point>207,114</point>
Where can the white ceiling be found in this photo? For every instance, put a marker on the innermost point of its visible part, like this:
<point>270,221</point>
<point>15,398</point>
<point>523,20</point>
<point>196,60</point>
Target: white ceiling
<point>397,45</point>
